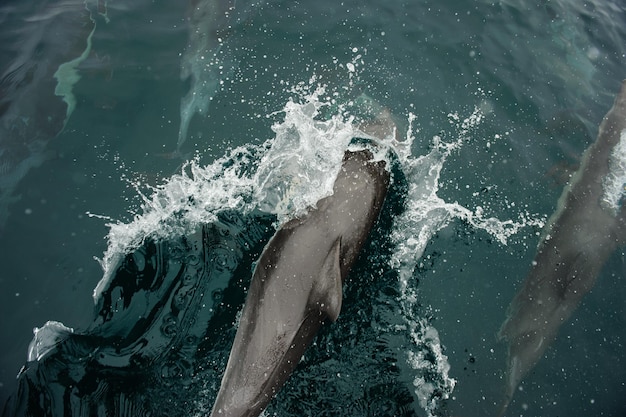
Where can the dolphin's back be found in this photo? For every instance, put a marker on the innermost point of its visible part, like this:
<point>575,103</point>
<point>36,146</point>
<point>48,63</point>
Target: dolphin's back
<point>297,285</point>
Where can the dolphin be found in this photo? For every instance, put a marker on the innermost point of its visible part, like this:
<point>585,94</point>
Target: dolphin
<point>36,88</point>
<point>297,285</point>
<point>201,60</point>
<point>208,60</point>
<point>587,227</point>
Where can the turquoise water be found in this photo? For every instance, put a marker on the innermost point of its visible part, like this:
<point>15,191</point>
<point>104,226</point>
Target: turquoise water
<point>528,84</point>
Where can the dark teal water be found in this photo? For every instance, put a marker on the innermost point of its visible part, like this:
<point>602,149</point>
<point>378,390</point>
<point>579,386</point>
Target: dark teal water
<point>543,77</point>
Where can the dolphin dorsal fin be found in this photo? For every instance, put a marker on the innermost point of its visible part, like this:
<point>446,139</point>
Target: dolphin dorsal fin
<point>327,291</point>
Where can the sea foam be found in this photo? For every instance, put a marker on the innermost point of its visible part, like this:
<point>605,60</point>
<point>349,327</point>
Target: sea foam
<point>289,173</point>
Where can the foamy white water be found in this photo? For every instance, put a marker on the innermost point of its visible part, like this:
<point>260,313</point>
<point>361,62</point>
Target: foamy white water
<point>293,171</point>
<point>425,214</point>
<point>614,183</point>
<point>302,164</point>
<point>47,338</point>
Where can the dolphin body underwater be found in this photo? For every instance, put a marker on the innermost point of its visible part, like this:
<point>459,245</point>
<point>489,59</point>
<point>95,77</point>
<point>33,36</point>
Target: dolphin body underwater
<point>297,285</point>
<point>587,227</point>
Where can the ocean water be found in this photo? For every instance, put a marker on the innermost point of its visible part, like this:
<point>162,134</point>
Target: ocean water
<point>149,150</point>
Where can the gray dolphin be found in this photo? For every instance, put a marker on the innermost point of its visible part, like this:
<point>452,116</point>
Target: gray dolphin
<point>297,285</point>
<point>588,225</point>
<point>36,87</point>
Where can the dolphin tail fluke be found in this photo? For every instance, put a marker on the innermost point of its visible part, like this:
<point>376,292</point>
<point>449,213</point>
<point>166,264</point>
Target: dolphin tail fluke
<point>327,292</point>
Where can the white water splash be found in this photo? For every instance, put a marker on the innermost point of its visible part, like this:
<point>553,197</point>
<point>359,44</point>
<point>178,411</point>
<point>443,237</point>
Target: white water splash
<point>429,357</point>
<point>425,214</point>
<point>614,184</point>
<point>186,200</point>
<point>296,169</point>
<point>301,167</point>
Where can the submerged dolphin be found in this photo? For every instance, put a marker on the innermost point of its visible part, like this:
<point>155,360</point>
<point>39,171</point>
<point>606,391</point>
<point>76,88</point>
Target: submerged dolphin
<point>297,285</point>
<point>201,62</point>
<point>207,60</point>
<point>588,225</point>
<point>36,97</point>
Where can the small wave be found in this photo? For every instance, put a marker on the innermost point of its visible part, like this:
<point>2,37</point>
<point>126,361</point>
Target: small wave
<point>301,166</point>
<point>186,200</point>
<point>284,176</point>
